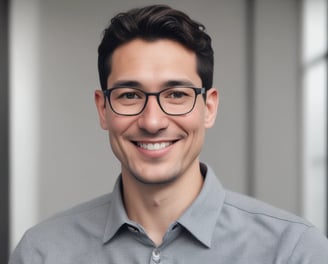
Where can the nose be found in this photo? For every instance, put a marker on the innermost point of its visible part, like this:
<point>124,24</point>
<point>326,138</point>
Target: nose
<point>153,120</point>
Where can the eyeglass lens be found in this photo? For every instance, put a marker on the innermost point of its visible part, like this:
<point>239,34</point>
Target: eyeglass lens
<point>132,101</point>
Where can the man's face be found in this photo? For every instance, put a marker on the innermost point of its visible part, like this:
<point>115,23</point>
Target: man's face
<point>154,147</point>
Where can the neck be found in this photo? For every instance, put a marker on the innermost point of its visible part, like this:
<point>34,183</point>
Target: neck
<point>157,206</point>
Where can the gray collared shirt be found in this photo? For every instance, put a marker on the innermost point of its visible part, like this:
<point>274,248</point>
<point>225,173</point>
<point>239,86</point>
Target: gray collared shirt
<point>219,227</point>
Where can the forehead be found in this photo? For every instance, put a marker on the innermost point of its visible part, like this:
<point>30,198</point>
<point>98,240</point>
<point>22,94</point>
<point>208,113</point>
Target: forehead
<point>153,60</point>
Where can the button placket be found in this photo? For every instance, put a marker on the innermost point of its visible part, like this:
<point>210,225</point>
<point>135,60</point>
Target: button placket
<point>156,256</point>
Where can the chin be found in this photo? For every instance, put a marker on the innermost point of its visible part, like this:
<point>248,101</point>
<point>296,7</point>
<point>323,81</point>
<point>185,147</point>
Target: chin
<point>157,181</point>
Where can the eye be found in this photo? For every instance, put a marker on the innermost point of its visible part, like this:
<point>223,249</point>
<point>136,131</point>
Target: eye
<point>177,94</point>
<point>129,95</point>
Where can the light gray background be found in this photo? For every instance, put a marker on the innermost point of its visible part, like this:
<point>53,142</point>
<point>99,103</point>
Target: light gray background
<point>60,155</point>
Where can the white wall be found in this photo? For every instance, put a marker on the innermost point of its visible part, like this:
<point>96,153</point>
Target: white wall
<point>68,152</point>
<point>24,116</point>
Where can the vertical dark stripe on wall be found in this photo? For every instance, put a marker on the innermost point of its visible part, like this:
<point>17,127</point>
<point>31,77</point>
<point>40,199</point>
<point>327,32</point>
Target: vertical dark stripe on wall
<point>250,103</point>
<point>4,133</point>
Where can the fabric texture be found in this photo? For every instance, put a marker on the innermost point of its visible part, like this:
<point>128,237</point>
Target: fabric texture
<point>219,227</point>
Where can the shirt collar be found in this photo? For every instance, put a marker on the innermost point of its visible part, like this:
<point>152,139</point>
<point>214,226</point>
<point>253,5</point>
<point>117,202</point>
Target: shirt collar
<point>116,213</point>
<point>208,203</point>
<point>201,217</point>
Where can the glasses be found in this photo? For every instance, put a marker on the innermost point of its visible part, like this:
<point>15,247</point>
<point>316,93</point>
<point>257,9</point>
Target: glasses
<point>175,101</point>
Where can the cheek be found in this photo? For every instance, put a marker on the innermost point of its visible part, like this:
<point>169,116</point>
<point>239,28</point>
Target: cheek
<point>116,128</point>
<point>119,127</point>
<point>194,128</point>
<point>193,123</point>
<point>196,119</point>
<point>117,124</point>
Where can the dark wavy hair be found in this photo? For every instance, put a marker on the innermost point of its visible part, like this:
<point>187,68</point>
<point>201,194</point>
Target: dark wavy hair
<point>151,23</point>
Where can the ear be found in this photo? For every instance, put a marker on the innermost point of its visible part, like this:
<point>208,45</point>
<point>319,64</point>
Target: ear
<point>212,103</point>
<point>101,108</point>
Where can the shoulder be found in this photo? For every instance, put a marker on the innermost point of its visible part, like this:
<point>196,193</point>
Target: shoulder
<point>262,217</point>
<point>251,207</point>
<point>92,213</point>
<point>64,231</point>
<point>289,236</point>
<point>81,214</point>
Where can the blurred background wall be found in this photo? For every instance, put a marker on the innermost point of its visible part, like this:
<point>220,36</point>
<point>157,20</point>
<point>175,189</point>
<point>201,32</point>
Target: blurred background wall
<point>60,156</point>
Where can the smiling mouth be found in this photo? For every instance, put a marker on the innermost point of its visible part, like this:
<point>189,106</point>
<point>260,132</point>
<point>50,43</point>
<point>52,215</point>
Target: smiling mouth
<point>154,146</point>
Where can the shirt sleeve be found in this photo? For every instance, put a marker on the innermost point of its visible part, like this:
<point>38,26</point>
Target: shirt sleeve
<point>312,248</point>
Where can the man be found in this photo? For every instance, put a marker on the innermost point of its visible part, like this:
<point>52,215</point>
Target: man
<point>156,70</point>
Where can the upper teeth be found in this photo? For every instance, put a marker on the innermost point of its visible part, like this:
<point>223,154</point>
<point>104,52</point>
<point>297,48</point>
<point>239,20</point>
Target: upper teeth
<point>155,146</point>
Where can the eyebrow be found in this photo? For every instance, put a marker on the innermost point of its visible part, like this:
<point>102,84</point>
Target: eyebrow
<point>127,83</point>
<point>137,84</point>
<point>173,83</point>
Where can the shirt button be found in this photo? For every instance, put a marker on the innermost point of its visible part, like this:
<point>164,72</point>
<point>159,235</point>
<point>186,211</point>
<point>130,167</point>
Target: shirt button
<point>156,255</point>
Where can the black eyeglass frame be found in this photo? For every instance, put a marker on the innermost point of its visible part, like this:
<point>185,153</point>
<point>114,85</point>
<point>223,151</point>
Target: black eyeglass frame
<point>108,91</point>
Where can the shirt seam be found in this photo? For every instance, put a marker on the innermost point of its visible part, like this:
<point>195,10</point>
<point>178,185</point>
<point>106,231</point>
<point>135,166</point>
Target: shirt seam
<point>72,212</point>
<point>268,215</point>
<point>297,243</point>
